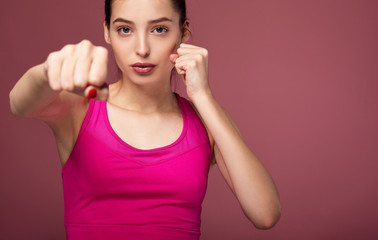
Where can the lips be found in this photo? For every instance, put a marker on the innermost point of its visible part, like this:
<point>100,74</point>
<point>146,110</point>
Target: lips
<point>143,68</point>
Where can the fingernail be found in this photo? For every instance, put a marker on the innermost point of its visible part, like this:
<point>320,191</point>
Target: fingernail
<point>92,93</point>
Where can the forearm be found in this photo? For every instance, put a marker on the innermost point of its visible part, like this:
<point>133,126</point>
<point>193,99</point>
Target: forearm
<point>31,93</point>
<point>251,182</point>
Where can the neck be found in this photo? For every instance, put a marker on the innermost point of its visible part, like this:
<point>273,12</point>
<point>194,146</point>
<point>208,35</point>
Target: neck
<point>146,98</point>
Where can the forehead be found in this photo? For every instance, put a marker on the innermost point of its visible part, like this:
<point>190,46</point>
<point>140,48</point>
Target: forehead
<point>143,10</point>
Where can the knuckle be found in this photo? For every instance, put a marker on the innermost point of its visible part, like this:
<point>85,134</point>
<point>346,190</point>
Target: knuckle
<point>84,48</point>
<point>68,49</point>
<point>48,64</point>
<point>52,63</point>
<point>52,58</point>
<point>102,51</point>
<point>205,52</point>
<point>85,43</point>
<point>53,55</point>
<point>198,57</point>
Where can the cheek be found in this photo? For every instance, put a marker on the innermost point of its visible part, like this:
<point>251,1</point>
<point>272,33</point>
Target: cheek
<point>168,45</point>
<point>166,50</point>
<point>174,47</point>
<point>120,55</point>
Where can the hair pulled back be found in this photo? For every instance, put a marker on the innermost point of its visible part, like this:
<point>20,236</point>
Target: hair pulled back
<point>178,5</point>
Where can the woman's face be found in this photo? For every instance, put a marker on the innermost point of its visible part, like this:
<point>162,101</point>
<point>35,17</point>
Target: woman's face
<point>144,32</point>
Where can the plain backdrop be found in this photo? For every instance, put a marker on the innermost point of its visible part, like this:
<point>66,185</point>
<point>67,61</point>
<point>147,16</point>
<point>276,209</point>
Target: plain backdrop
<point>299,77</point>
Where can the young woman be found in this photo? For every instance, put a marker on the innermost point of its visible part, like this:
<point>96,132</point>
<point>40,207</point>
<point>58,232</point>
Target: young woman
<point>135,155</point>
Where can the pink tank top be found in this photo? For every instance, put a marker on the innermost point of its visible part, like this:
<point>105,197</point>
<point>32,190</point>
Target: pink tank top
<point>115,191</point>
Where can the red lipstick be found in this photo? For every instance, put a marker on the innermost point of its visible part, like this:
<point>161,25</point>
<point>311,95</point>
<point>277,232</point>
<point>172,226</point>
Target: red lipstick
<point>143,68</point>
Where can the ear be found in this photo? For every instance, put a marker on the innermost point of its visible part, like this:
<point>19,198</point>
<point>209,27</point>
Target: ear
<point>106,33</point>
<point>185,32</point>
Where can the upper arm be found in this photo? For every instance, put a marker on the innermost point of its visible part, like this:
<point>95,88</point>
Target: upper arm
<point>64,116</point>
<point>216,156</point>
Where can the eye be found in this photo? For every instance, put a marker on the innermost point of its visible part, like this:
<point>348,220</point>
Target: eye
<point>161,29</point>
<point>124,30</point>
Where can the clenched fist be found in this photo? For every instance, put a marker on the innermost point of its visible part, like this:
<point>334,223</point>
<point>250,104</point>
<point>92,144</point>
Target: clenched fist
<point>80,68</point>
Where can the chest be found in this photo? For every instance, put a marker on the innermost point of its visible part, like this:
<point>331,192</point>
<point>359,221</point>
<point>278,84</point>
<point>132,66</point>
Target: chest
<point>146,131</point>
<point>106,168</point>
<point>102,165</point>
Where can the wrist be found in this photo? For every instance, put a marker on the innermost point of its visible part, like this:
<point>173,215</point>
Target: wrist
<point>37,75</point>
<point>202,97</point>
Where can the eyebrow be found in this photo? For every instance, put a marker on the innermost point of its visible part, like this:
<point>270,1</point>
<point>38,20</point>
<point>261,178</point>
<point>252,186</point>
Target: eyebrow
<point>162,19</point>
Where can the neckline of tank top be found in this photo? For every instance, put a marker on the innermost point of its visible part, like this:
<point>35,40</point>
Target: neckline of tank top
<point>157,149</point>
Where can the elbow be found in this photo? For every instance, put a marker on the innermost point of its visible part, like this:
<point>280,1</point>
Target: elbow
<point>12,105</point>
<point>14,110</point>
<point>267,222</point>
<point>267,219</point>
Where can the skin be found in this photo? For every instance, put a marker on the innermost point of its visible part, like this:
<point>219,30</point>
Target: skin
<point>53,92</point>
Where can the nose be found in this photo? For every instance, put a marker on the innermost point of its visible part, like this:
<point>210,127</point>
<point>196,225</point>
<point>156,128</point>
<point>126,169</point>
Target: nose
<point>142,46</point>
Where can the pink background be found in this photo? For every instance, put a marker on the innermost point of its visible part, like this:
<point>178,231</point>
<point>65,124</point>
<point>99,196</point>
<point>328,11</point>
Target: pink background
<point>299,77</point>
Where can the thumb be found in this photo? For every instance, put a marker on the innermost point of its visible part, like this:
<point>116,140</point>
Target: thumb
<point>173,57</point>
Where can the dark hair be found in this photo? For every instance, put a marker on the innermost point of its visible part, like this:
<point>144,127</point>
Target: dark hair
<point>178,5</point>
